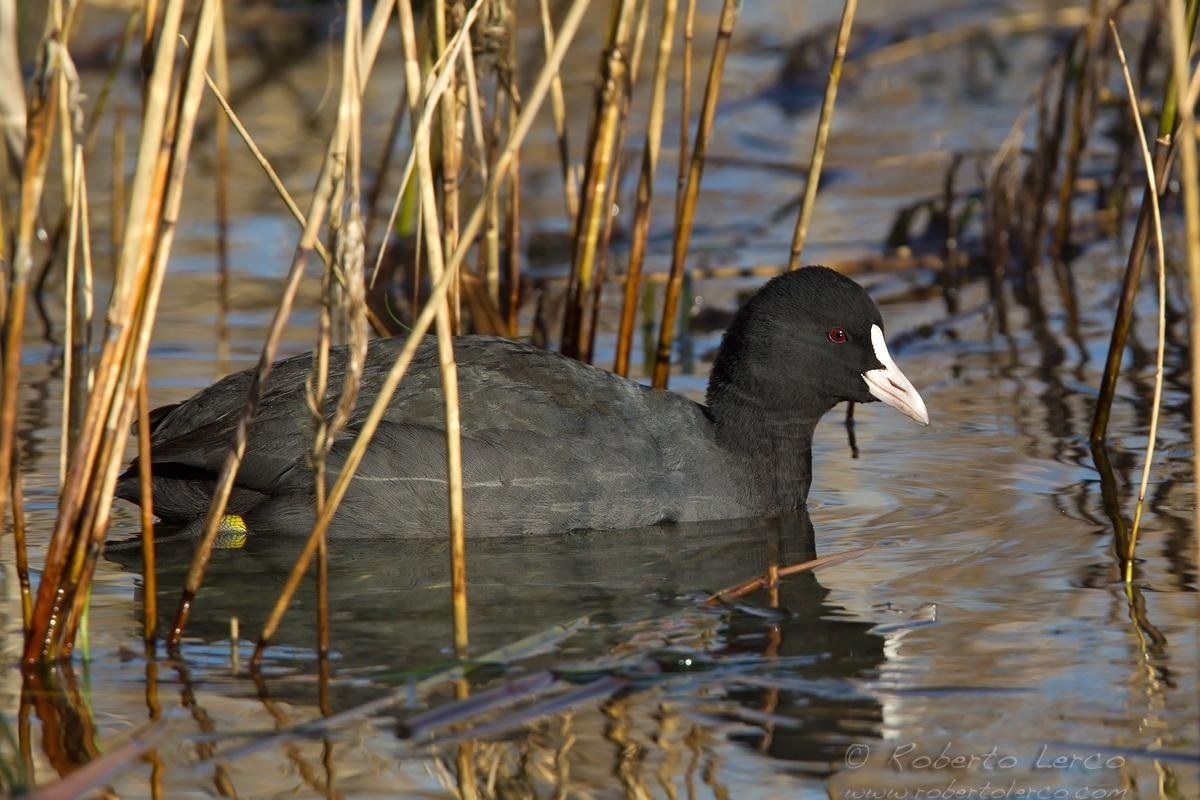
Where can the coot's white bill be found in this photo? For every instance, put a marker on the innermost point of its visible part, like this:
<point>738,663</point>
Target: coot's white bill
<point>890,385</point>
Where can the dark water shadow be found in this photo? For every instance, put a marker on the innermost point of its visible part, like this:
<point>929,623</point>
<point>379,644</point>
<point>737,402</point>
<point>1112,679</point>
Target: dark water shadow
<point>391,622</point>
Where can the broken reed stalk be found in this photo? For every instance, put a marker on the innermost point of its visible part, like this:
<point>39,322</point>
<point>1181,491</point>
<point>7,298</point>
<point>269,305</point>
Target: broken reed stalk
<point>821,140</point>
<point>774,573</point>
<point>84,504</point>
<point>1156,407</point>
<point>504,161</point>
<point>1165,141</point>
<point>612,93</point>
<point>645,188</point>
<point>307,244</point>
<point>685,217</point>
<point>1182,29</point>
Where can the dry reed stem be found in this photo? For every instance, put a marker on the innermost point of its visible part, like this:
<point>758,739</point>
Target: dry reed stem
<point>264,163</point>
<point>345,288</point>
<point>464,754</point>
<point>69,119</point>
<point>685,104</point>
<point>645,188</point>
<point>609,219</point>
<point>83,308</point>
<point>504,161</point>
<point>821,140</point>
<point>512,230</point>
<point>84,503</point>
<point>412,96</point>
<point>444,319</point>
<point>40,119</point>
<point>685,218</point>
<point>611,97</point>
<point>117,223</point>
<point>1156,407</point>
<point>220,60</point>
<point>775,572</point>
<point>151,15</point>
<point>450,149</point>
<point>1191,200</point>
<point>22,557</point>
<point>87,131</point>
<point>69,332</point>
<point>146,513</point>
<point>156,252</point>
<point>491,238</point>
<point>558,107</point>
<point>12,101</point>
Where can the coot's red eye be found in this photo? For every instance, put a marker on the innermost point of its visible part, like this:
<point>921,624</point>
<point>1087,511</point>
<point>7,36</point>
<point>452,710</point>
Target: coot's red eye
<point>838,335</point>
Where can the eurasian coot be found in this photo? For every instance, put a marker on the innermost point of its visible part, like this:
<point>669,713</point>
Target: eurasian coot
<point>549,444</point>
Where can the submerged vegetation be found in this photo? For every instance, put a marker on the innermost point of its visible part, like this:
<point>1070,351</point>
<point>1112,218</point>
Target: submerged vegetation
<point>431,236</point>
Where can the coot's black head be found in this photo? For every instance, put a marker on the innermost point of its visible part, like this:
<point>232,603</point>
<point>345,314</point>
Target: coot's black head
<point>805,341</point>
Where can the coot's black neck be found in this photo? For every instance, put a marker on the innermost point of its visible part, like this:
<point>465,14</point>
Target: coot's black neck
<point>775,444</point>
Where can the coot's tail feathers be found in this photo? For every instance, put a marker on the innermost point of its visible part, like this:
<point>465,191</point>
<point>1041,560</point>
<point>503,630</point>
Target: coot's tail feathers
<point>127,484</point>
<point>182,492</point>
